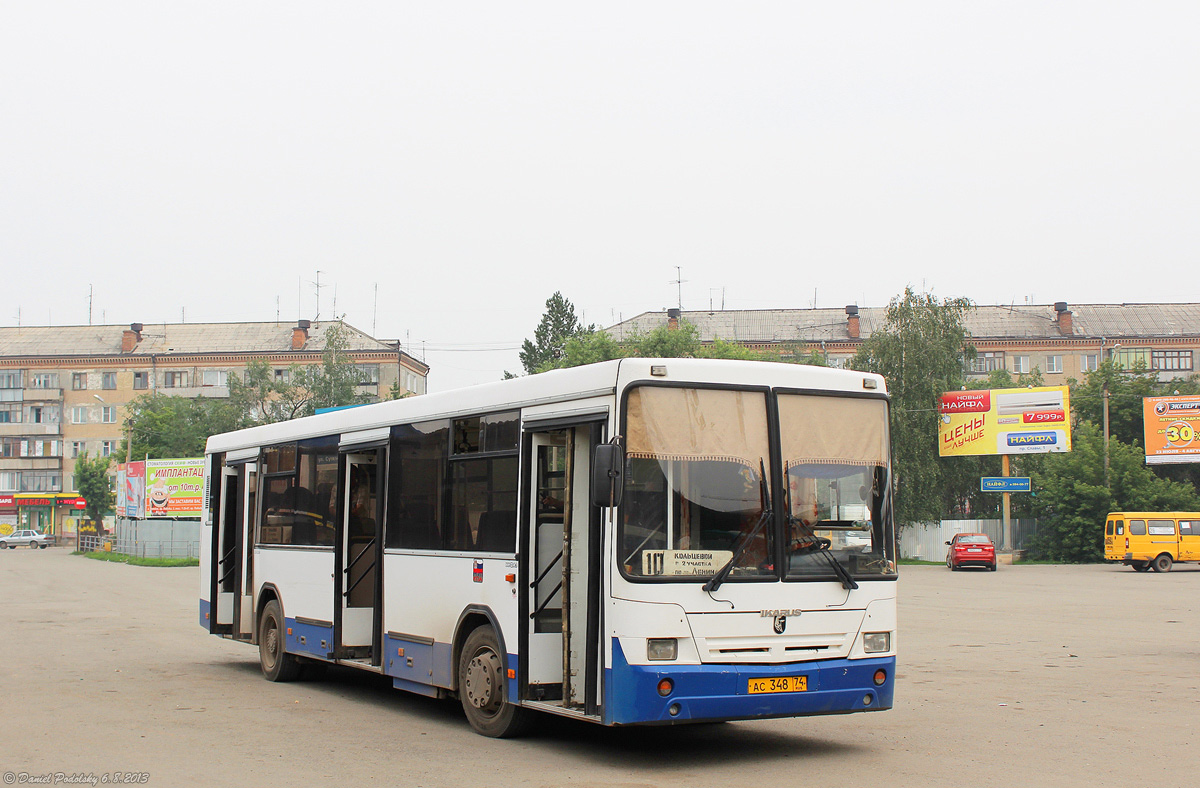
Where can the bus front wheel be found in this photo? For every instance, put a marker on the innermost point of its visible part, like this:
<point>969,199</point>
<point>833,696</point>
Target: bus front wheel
<point>481,687</point>
<point>1141,566</point>
<point>1162,563</point>
<point>277,664</point>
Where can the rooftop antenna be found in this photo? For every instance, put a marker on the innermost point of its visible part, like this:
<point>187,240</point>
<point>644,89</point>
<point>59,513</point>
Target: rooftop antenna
<point>317,288</point>
<point>678,282</point>
<point>89,305</point>
<point>276,309</point>
<point>375,310</point>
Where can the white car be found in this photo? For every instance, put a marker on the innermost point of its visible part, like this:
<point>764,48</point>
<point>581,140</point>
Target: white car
<point>29,537</point>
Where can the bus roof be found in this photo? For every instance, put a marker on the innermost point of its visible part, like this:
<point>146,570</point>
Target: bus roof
<point>560,385</point>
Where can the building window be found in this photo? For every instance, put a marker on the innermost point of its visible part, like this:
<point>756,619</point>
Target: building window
<point>108,414</point>
<point>216,377</point>
<point>175,380</point>
<point>984,363</point>
<point>1131,357</point>
<point>141,380</point>
<point>107,448</point>
<point>10,481</point>
<point>1171,359</point>
<point>43,380</point>
<point>1020,365</point>
<point>78,448</point>
<point>1089,362</point>
<point>10,447</point>
<point>79,381</point>
<point>281,376</point>
<point>10,413</point>
<point>41,481</point>
<point>1054,364</point>
<point>368,374</point>
<point>11,379</point>
<point>108,380</point>
<point>79,414</point>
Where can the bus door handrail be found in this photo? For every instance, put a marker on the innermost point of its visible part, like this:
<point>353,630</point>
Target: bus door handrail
<point>354,561</point>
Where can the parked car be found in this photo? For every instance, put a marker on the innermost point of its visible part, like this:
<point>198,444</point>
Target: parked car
<point>971,550</point>
<point>26,537</point>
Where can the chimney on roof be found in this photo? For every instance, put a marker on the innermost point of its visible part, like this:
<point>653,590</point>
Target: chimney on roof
<point>673,318</point>
<point>1063,314</point>
<point>300,334</point>
<point>852,321</point>
<point>130,337</point>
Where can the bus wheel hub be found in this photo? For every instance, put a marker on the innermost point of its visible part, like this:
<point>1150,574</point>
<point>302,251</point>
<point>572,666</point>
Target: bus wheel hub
<point>483,679</point>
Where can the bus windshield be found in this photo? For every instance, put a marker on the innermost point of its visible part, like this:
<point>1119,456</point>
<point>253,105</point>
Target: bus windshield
<point>835,458</point>
<point>695,484</point>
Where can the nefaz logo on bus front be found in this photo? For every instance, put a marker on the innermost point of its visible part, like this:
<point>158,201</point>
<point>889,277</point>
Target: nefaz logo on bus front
<point>965,402</point>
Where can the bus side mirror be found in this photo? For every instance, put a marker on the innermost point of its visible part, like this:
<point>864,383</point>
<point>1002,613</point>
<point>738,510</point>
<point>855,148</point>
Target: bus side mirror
<point>608,474</point>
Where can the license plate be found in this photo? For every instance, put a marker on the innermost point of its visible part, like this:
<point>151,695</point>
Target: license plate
<point>779,684</point>
<point>974,549</point>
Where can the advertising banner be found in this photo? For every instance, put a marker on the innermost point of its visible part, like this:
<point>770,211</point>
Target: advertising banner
<point>1004,421</point>
<point>174,488</point>
<point>135,490</point>
<point>1170,424</point>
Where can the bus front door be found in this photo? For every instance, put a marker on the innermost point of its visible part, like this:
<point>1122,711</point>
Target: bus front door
<point>562,654</point>
<point>358,545</point>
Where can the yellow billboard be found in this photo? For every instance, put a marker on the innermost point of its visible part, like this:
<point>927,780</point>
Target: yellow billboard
<point>1170,424</point>
<point>1004,421</point>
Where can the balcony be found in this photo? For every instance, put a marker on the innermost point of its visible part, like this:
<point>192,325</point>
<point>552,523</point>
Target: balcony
<point>26,428</point>
<point>43,395</point>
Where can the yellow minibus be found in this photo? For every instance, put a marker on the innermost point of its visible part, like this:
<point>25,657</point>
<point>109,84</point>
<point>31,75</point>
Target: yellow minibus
<point>1152,540</point>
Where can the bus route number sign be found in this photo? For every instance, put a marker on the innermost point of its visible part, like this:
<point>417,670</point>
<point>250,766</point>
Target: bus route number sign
<point>778,684</point>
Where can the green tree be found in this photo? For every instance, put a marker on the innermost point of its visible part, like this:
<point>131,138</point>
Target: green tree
<point>93,483</point>
<point>161,426</point>
<point>1072,499</point>
<point>919,350</point>
<point>264,398</point>
<point>548,347</point>
<point>334,382</point>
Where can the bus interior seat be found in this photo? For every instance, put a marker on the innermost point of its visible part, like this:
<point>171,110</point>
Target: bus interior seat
<point>497,532</point>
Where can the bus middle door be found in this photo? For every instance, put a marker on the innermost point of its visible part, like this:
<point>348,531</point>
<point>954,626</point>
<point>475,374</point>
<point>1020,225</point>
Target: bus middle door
<point>359,546</point>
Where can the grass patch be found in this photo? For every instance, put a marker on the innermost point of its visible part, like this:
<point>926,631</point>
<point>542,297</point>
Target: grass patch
<point>118,558</point>
<point>916,562</point>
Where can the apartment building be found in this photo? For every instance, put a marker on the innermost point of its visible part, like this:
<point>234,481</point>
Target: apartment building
<point>64,389</point>
<point>1061,340</point>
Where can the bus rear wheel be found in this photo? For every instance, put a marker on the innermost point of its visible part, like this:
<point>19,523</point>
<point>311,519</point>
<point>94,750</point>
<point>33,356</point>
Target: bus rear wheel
<point>277,664</point>
<point>481,688</point>
<point>1162,563</point>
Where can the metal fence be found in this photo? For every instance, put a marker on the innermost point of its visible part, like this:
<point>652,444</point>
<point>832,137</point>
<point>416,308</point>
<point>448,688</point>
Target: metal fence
<point>148,539</point>
<point>927,541</point>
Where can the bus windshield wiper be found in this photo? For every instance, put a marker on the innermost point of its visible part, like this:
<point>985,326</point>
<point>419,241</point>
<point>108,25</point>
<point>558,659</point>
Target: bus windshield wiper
<point>821,546</point>
<point>764,493</point>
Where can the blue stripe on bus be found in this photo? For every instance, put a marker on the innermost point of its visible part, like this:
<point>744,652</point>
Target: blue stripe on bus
<point>205,609</point>
<point>422,666</point>
<point>309,639</point>
<point>702,692</point>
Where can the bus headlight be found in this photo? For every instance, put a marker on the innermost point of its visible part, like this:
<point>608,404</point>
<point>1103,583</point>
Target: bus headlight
<point>661,648</point>
<point>877,642</point>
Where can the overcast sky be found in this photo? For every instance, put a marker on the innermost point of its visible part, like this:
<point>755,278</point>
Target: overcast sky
<point>447,166</point>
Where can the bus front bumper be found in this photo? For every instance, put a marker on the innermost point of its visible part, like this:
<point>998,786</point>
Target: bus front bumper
<point>722,692</point>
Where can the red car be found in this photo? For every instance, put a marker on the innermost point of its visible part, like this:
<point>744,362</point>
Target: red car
<point>971,550</point>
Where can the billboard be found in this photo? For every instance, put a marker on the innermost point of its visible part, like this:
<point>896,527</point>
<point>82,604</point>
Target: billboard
<point>1004,421</point>
<point>1170,425</point>
<point>174,488</point>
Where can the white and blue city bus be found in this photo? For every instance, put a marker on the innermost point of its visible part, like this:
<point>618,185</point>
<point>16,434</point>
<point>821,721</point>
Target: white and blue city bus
<point>632,542</point>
